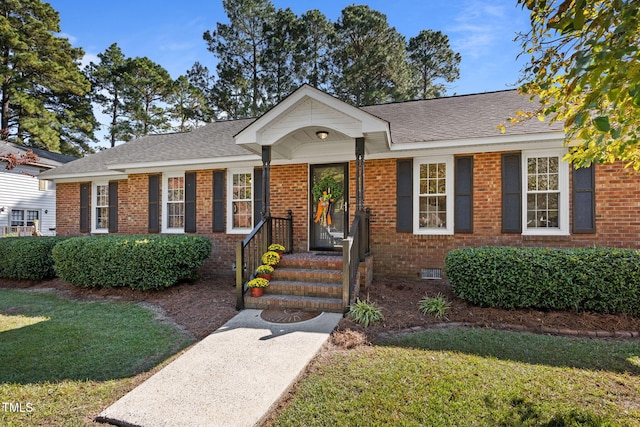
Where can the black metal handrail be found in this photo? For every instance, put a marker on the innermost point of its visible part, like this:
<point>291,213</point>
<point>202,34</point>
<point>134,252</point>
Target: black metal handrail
<point>249,251</point>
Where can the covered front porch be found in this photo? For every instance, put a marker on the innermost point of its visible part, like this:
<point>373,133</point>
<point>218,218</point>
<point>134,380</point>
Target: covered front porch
<point>312,201</point>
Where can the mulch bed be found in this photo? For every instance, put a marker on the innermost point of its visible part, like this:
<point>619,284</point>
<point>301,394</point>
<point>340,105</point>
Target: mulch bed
<point>202,307</point>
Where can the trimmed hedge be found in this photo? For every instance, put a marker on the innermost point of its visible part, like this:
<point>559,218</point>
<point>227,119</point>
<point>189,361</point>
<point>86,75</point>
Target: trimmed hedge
<point>27,257</point>
<point>139,262</point>
<point>583,279</point>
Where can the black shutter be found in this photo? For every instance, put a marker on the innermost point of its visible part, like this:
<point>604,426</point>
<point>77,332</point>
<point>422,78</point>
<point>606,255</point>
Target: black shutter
<point>113,207</point>
<point>257,195</point>
<point>463,201</point>
<point>404,196</point>
<point>154,203</point>
<point>190,202</point>
<point>218,200</point>
<point>84,207</point>
<point>511,193</point>
<point>584,200</point>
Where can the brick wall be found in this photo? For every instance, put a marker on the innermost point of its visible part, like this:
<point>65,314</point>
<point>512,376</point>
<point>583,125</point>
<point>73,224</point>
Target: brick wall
<point>397,254</point>
<point>68,209</point>
<point>405,254</point>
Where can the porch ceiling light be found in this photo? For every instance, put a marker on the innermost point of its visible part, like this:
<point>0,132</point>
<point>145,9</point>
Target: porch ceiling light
<point>322,134</point>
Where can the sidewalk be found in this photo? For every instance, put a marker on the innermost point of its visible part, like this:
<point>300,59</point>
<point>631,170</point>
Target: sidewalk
<point>234,377</point>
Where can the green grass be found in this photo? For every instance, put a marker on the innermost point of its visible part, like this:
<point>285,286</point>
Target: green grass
<point>473,377</point>
<point>64,359</point>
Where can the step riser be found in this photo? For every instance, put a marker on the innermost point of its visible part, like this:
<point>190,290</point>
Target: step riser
<point>304,289</point>
<point>265,303</point>
<point>321,276</point>
<point>308,264</point>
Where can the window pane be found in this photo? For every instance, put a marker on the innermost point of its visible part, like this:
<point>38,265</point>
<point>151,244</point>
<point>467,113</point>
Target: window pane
<point>175,215</point>
<point>17,218</point>
<point>102,218</point>
<point>242,215</point>
<point>543,163</point>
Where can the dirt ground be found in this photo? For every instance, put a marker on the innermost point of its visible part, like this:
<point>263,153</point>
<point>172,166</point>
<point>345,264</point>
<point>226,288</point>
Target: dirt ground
<point>202,307</point>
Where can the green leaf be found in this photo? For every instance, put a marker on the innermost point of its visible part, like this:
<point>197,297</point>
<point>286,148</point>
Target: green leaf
<point>602,123</point>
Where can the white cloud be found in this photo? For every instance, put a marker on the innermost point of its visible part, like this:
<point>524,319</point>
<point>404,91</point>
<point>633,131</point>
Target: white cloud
<point>479,27</point>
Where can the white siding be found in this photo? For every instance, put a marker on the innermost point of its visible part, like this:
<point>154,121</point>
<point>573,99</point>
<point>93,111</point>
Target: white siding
<point>21,191</point>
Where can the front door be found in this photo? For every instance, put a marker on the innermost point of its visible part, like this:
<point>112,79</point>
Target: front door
<point>329,208</point>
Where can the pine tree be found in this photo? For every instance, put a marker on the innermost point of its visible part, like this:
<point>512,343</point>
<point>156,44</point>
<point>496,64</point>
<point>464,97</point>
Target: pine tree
<point>431,59</point>
<point>42,88</point>
<point>108,84</point>
<point>370,57</point>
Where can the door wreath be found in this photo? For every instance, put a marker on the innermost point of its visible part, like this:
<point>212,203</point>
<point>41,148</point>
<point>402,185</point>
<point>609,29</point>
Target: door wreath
<point>325,192</point>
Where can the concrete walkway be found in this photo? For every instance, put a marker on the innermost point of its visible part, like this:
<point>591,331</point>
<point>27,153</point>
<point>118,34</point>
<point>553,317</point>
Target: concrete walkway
<point>234,377</point>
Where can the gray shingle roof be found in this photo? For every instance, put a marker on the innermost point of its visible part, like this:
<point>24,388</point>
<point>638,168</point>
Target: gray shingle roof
<point>440,119</point>
<point>458,117</point>
<point>45,158</point>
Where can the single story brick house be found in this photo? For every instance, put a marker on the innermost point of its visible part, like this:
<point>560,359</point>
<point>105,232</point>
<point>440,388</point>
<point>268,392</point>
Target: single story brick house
<point>436,175</point>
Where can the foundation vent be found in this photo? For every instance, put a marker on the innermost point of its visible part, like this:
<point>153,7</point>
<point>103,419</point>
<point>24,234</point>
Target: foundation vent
<point>431,273</point>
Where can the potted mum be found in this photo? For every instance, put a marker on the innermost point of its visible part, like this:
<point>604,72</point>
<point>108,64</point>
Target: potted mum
<point>257,286</point>
<point>270,258</point>
<point>264,271</point>
<point>276,247</point>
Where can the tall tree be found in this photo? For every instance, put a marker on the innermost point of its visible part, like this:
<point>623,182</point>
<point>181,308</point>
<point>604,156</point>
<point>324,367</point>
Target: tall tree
<point>585,68</point>
<point>370,57</point>
<point>200,78</point>
<point>187,106</point>
<point>40,79</point>
<point>278,60</point>
<point>239,47</point>
<point>108,81</point>
<point>313,50</point>
<point>431,59</point>
<point>147,90</point>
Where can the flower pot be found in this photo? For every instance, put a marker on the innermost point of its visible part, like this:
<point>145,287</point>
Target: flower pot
<point>257,292</point>
<point>265,276</point>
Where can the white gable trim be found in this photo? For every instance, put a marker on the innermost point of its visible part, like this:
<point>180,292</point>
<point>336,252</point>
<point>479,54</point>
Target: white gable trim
<point>310,107</point>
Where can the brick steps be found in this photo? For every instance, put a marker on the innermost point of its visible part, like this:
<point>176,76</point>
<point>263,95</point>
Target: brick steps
<point>304,282</point>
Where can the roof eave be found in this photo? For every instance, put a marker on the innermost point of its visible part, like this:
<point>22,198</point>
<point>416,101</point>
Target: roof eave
<point>468,142</point>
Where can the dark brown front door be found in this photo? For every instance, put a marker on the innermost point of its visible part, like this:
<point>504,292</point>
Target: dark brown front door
<point>329,208</point>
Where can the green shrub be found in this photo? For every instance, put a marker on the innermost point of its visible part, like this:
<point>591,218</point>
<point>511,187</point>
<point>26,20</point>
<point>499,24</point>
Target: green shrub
<point>436,306</point>
<point>27,257</point>
<point>139,262</point>
<point>365,313</point>
<point>582,279</point>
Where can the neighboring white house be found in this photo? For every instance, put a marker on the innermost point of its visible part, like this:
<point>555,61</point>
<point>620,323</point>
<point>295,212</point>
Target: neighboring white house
<point>23,197</point>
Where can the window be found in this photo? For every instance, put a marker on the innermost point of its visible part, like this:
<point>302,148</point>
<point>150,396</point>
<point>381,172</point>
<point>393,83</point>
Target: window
<point>433,195</point>
<point>24,217</point>
<point>173,203</point>
<point>241,201</point>
<point>101,212</point>
<point>546,189</point>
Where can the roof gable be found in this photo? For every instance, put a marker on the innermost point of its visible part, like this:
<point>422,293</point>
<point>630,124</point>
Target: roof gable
<point>295,121</point>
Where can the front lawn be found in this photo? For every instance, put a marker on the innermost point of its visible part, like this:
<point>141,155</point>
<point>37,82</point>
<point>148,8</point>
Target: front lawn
<point>473,377</point>
<point>62,361</point>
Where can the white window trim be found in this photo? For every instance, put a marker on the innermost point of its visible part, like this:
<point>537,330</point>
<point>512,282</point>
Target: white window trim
<point>94,205</point>
<point>448,230</point>
<point>165,201</point>
<point>230,228</point>
<point>563,187</point>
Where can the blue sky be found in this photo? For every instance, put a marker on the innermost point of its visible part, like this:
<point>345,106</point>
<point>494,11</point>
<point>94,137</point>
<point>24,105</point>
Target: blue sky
<point>170,33</point>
